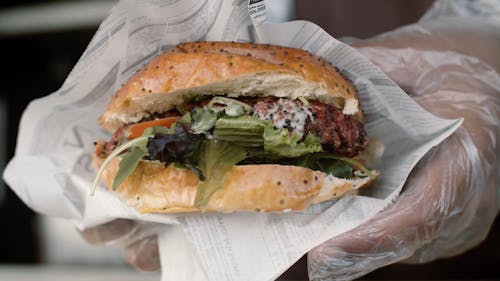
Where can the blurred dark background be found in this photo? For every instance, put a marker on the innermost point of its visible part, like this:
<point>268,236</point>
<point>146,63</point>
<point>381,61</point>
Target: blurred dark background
<point>38,49</point>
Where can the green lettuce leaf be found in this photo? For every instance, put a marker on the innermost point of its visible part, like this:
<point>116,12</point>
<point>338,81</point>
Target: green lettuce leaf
<point>130,160</point>
<point>336,165</point>
<point>228,102</point>
<point>250,131</point>
<point>245,131</point>
<point>241,125</point>
<point>234,110</point>
<point>337,168</point>
<point>204,119</point>
<point>280,142</point>
<point>218,157</point>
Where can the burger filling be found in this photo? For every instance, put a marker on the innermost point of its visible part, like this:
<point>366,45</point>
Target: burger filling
<point>339,133</point>
<point>212,134</point>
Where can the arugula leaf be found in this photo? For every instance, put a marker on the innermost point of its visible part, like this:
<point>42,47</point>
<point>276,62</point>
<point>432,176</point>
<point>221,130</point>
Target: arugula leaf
<point>218,157</point>
<point>127,165</point>
<point>137,142</point>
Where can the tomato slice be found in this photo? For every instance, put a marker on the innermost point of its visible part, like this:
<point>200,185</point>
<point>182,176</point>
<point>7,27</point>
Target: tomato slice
<point>136,130</point>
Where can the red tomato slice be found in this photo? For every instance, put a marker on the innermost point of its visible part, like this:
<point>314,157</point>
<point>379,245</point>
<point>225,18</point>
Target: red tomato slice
<point>136,130</point>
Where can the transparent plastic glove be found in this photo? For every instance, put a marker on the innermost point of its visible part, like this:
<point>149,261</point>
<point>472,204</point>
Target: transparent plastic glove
<point>138,239</point>
<point>450,67</point>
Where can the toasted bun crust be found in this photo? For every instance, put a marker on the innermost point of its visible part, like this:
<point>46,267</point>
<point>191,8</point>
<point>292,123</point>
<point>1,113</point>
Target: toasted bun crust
<point>234,69</point>
<point>264,188</point>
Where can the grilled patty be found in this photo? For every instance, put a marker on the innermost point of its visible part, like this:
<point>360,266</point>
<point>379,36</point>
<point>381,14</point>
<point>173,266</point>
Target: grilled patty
<point>339,133</point>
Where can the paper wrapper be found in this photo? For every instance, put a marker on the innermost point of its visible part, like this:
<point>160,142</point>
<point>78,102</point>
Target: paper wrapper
<point>51,171</point>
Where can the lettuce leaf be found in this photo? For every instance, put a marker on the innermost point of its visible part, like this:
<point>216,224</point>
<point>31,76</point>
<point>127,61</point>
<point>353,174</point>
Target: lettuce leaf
<point>280,142</point>
<point>204,119</point>
<point>181,146</point>
<point>127,165</point>
<point>250,131</point>
<point>333,164</point>
<point>139,142</point>
<point>218,157</point>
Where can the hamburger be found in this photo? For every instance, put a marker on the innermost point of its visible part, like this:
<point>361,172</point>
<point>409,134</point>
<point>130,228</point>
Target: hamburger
<point>220,126</point>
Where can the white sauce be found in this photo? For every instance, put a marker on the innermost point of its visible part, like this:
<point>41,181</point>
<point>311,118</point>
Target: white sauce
<point>286,113</point>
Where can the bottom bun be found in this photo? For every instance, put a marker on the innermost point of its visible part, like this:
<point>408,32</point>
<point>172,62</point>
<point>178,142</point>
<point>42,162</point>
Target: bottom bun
<point>154,188</point>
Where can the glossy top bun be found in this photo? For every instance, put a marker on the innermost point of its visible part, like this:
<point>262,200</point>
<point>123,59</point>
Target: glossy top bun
<point>233,69</point>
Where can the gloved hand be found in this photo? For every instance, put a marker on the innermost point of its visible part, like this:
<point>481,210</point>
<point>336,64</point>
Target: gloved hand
<point>450,67</point>
<point>137,238</point>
